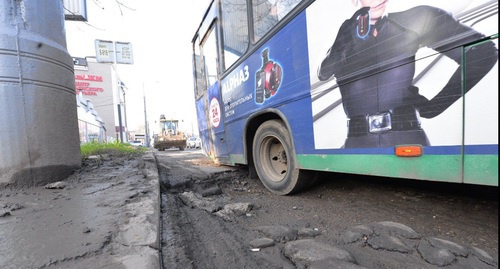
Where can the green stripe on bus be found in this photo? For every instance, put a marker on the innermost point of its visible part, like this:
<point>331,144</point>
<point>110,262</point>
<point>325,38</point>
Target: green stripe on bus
<point>481,169</point>
<point>445,168</point>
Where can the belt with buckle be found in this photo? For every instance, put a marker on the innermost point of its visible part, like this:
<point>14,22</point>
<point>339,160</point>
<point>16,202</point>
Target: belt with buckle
<point>398,119</point>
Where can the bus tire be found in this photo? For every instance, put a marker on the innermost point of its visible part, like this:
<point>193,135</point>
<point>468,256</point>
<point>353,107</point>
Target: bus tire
<point>275,161</point>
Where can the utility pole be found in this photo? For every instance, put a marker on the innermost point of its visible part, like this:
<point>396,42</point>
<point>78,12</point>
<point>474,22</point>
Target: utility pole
<point>123,86</point>
<point>120,122</point>
<point>146,132</point>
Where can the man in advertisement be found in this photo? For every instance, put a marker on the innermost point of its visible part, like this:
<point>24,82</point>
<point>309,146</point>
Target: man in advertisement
<point>373,60</point>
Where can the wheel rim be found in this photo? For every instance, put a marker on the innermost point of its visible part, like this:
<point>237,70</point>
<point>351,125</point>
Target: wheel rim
<point>274,159</point>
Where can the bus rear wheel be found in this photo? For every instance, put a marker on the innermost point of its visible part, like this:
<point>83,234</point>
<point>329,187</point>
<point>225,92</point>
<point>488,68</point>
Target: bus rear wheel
<point>274,159</point>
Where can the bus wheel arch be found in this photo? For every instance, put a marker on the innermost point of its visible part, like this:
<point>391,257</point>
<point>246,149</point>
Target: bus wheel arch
<point>249,134</point>
<point>274,158</point>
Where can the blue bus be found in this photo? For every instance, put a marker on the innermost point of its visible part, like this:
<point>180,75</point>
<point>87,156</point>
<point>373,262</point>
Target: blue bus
<point>400,89</point>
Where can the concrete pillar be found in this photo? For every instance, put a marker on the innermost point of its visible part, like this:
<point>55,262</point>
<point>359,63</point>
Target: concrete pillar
<point>39,141</point>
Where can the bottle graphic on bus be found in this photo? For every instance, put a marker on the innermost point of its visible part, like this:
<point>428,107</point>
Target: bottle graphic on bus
<point>268,78</point>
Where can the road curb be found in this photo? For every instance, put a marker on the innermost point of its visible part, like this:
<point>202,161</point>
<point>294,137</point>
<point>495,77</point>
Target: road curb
<point>150,171</point>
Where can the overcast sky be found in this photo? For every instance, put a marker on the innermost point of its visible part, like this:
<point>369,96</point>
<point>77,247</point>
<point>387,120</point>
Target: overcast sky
<point>160,33</point>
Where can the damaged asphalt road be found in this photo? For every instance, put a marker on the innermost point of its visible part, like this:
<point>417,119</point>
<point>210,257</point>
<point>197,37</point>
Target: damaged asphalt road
<point>112,214</point>
<point>217,217</point>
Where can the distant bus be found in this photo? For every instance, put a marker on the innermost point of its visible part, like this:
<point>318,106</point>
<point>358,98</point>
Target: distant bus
<point>400,89</point>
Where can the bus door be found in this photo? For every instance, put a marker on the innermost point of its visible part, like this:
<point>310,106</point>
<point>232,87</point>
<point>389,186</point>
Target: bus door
<point>481,124</point>
<point>212,101</point>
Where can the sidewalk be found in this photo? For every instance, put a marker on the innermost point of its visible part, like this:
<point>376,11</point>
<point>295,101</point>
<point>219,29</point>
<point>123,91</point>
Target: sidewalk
<point>105,215</point>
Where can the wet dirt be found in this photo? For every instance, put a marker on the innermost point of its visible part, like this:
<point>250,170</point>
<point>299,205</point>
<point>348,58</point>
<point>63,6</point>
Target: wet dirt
<point>102,216</point>
<point>198,231</point>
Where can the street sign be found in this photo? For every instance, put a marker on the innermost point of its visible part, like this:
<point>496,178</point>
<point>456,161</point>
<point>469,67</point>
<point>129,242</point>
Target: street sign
<point>105,51</point>
<point>124,53</point>
<point>109,52</point>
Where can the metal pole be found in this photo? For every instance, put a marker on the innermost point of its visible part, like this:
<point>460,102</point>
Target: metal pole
<point>145,118</point>
<point>120,122</point>
<point>125,112</point>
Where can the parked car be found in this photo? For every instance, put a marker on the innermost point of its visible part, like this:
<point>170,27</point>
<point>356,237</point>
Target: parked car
<point>135,143</point>
<point>193,142</point>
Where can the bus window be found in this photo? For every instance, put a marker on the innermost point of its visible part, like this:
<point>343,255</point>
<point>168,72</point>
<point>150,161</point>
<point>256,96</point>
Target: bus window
<point>209,52</point>
<point>235,25</point>
<point>267,13</point>
<point>198,71</point>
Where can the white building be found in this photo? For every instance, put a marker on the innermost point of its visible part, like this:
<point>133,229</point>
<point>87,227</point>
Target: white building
<point>97,85</point>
